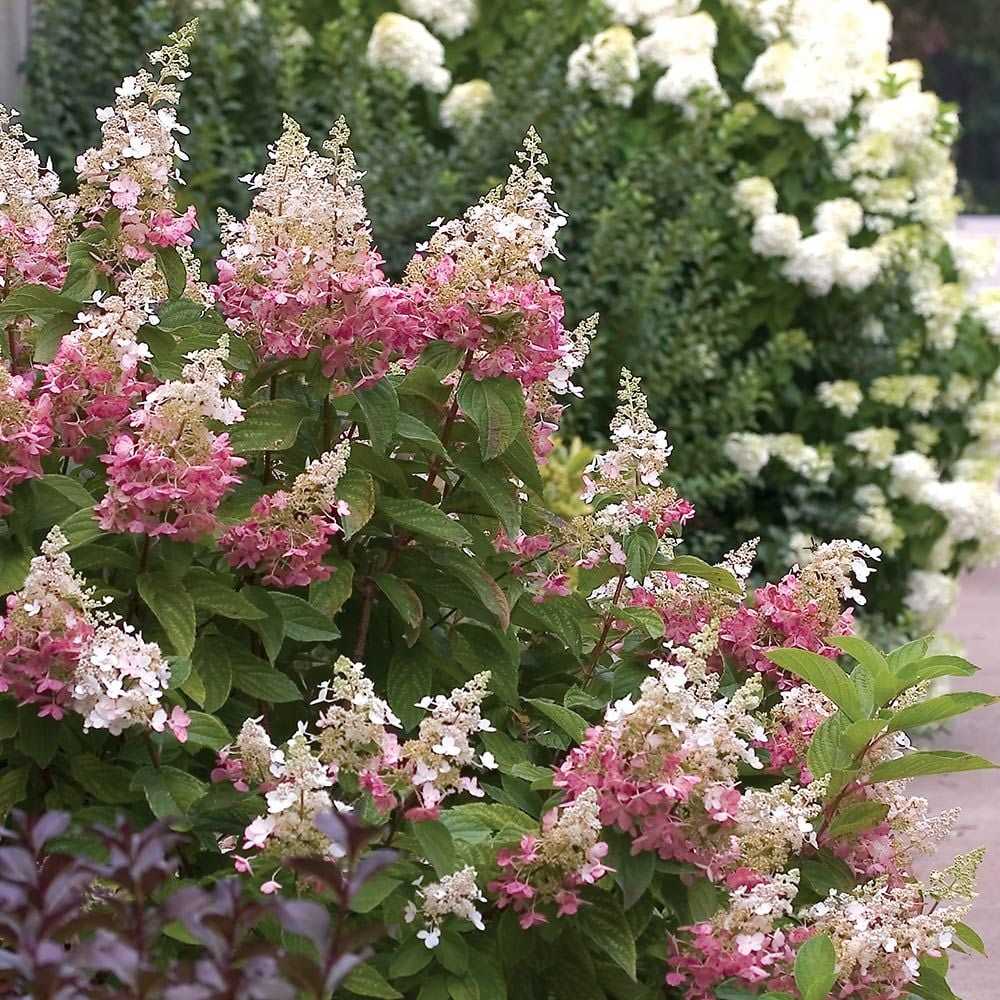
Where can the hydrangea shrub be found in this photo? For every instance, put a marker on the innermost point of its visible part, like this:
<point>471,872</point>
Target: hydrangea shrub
<point>296,651</point>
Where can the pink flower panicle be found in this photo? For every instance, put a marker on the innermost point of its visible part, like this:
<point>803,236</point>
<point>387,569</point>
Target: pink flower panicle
<point>169,478</point>
<point>288,532</point>
<point>549,871</point>
<point>131,171</point>
<point>300,274</point>
<point>94,380</point>
<point>26,433</point>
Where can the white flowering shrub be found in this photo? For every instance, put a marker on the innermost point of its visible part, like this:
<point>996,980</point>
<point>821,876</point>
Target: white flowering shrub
<point>763,209</point>
<point>280,573</point>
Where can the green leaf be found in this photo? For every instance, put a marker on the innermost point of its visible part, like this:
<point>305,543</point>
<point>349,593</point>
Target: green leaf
<point>858,816</point>
<point>496,407</point>
<point>822,674</point>
<point>213,674</point>
<point>912,651</point>
<point>402,597</point>
<point>969,937</point>
<point>604,923</point>
<point>423,519</point>
<point>8,719</point>
<point>475,821</point>
<point>173,608</point>
<point>816,968</point>
<point>329,596</point>
<point>520,460</point>
<point>437,845</point>
<point>409,681</point>
<point>945,706</point>
<point>49,337</point>
<point>715,575</point>
<point>169,791</point>
<point>37,301</point>
<point>494,651</point>
<point>477,580</point>
<point>373,892</point>
<point>37,738</point>
<point>271,425</point>
<point>80,528</point>
<point>411,429</point>
<point>302,621</point>
<point>641,546</point>
<point>923,762</point>
<point>366,981</point>
<point>930,985</point>
<point>648,619</point>
<point>489,480</point>
<point>271,628</point>
<point>255,678</point>
<point>173,270</point>
<point>106,782</point>
<point>409,959</point>
<point>13,789</point>
<point>573,725</point>
<point>932,667</point>
<point>206,731</point>
<point>14,562</point>
<point>68,488</point>
<point>217,594</point>
<point>561,617</point>
<point>826,752</point>
<point>357,490</point>
<point>380,406</point>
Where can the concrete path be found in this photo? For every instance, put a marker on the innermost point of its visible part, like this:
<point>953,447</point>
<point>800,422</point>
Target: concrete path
<point>976,622</point>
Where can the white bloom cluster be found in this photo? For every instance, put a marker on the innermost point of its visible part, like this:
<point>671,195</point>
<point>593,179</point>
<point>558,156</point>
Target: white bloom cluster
<point>843,396</point>
<point>450,18</point>
<point>930,597</point>
<point>775,823</point>
<point>315,489</point>
<point>918,393</point>
<point>684,47</point>
<point>455,894</point>
<point>402,45</point>
<point>199,390</point>
<point>607,64</point>
<point>825,59</point>
<point>466,104</point>
<point>751,452</point>
<point>875,522</point>
<point>986,308</point>
<point>877,444</point>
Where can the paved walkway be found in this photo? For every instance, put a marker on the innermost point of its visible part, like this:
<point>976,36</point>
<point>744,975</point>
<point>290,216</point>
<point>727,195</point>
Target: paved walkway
<point>976,622</point>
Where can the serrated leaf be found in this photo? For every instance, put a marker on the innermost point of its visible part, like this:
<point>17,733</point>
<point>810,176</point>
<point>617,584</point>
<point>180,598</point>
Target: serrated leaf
<point>823,674</point>
<point>402,597</point>
<point>489,480</point>
<point>573,725</point>
<point>270,628</point>
<point>921,762</point>
<point>380,406</point>
<point>13,789</point>
<point>217,594</point>
<point>37,738</point>
<point>604,923</point>
<point>715,575</point>
<point>329,596</point>
<point>302,621</point>
<point>857,816</point>
<point>641,545</point>
<point>106,782</point>
<point>213,674</point>
<point>437,845</point>
<point>825,752</point>
<point>171,266</point>
<point>423,519</point>
<point>521,461</point>
<point>271,425</point>
<point>255,678</point>
<point>80,528</point>
<point>969,937</point>
<point>366,981</point>
<point>37,301</point>
<point>494,651</point>
<point>169,791</point>
<point>496,407</point>
<point>357,490</point>
<point>475,577</point>
<point>647,619</point>
<point>410,428</point>
<point>816,967</point>
<point>409,681</point>
<point>206,731</point>
<point>938,709</point>
<point>173,608</point>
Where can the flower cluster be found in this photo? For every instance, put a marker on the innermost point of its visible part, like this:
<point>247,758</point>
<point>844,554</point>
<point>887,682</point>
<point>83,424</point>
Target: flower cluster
<point>404,46</point>
<point>35,219</point>
<point>26,433</point>
<point>169,477</point>
<point>288,532</point>
<point>131,171</point>
<point>550,869</point>
<point>450,18</point>
<point>60,649</point>
<point>466,105</point>
<point>608,64</point>
<point>454,895</point>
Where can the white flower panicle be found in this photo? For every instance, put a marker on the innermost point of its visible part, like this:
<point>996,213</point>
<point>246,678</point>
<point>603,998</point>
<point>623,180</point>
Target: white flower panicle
<point>608,64</point>
<point>405,46</point>
<point>454,895</point>
<point>449,18</point>
<point>466,105</point>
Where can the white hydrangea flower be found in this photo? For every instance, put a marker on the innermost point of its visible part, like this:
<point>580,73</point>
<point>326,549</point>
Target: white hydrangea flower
<point>401,44</point>
<point>748,452</point>
<point>756,195</point>
<point>776,235</point>
<point>466,104</point>
<point>449,18</point>
<point>844,396</point>
<point>608,64</point>
<point>930,597</point>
